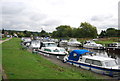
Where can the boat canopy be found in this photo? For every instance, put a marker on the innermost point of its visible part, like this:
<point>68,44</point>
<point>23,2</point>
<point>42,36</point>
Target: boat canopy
<point>75,54</point>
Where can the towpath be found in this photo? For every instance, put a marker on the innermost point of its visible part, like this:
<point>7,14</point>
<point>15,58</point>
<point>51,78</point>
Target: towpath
<point>2,72</point>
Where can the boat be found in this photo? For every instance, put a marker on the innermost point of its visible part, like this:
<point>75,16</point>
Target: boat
<point>115,44</point>
<point>50,48</point>
<point>35,44</point>
<point>92,45</point>
<point>87,60</point>
<point>114,47</point>
<point>26,42</point>
<point>73,42</point>
<point>63,42</point>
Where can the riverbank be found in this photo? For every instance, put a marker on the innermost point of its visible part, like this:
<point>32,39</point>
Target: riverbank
<point>103,41</point>
<point>21,64</point>
<point>2,74</point>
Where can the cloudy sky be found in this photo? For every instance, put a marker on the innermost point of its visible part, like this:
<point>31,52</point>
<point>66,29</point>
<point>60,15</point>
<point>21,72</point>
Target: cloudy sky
<point>35,15</point>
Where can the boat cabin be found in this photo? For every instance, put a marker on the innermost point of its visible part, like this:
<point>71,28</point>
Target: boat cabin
<point>55,50</point>
<point>76,54</point>
<point>35,44</point>
<point>48,44</point>
<point>105,62</point>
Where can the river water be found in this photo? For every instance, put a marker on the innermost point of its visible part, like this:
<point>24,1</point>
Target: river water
<point>103,53</point>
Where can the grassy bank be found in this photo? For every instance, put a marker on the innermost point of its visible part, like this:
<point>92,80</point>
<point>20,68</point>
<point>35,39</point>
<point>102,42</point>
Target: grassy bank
<point>103,41</point>
<point>21,64</point>
<point>4,38</point>
<point>0,61</point>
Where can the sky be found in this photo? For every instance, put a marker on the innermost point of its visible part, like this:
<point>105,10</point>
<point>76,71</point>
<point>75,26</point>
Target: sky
<point>35,15</point>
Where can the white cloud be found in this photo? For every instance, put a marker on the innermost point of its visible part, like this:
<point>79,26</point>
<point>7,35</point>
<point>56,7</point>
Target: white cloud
<point>48,14</point>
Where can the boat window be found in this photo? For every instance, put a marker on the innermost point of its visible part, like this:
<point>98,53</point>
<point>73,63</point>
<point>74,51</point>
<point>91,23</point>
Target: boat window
<point>62,50</point>
<point>110,63</point>
<point>75,55</point>
<point>43,45</point>
<point>96,62</point>
<point>56,50</point>
<point>88,61</point>
<point>86,53</point>
<point>47,50</point>
<point>51,45</point>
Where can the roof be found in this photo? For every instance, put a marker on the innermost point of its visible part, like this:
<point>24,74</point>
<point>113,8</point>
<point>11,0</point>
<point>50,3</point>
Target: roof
<point>48,42</point>
<point>53,48</point>
<point>100,58</point>
<point>80,51</point>
<point>75,54</point>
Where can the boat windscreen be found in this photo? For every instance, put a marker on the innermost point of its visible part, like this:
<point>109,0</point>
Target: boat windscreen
<point>62,50</point>
<point>110,63</point>
<point>51,45</point>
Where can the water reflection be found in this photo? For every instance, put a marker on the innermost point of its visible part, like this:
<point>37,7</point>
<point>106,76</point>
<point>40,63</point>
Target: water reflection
<point>103,53</point>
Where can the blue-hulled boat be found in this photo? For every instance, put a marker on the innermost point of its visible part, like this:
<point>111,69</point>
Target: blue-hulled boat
<point>86,60</point>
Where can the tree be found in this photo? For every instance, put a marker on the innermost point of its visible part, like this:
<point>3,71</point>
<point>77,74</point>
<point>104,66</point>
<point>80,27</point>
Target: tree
<point>76,33</point>
<point>43,33</point>
<point>111,32</point>
<point>63,31</point>
<point>118,33</point>
<point>102,34</point>
<point>87,30</point>
<point>27,33</point>
<point>3,31</point>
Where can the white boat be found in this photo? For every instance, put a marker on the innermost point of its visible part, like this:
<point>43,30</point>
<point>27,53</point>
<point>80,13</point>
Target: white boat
<point>26,39</point>
<point>35,44</point>
<point>26,42</point>
<point>73,42</point>
<point>50,48</point>
<point>93,45</point>
<point>117,45</point>
<point>114,47</point>
<point>84,59</point>
<point>63,42</point>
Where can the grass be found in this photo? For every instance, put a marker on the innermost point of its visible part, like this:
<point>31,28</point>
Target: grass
<point>21,64</point>
<point>4,38</point>
<point>105,43</point>
<point>0,61</point>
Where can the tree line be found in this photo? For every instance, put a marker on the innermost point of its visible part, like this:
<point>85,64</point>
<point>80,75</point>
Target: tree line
<point>85,30</point>
<point>110,32</point>
<point>25,33</point>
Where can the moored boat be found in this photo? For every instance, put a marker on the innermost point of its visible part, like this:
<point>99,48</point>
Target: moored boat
<point>93,45</point>
<point>114,47</point>
<point>26,42</point>
<point>50,48</point>
<point>63,42</point>
<point>74,42</point>
<point>84,59</point>
<point>35,44</point>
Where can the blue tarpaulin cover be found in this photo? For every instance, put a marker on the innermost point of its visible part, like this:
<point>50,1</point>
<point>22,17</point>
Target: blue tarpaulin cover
<point>75,54</point>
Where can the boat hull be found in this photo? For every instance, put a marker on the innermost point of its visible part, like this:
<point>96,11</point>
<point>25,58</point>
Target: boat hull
<point>95,48</point>
<point>100,70</point>
<point>48,53</point>
<point>74,44</point>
